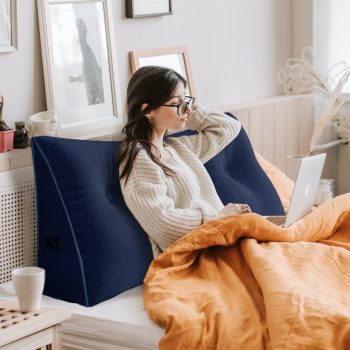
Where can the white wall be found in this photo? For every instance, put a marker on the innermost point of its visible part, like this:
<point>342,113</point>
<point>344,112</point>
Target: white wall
<point>236,48</point>
<point>301,25</point>
<point>21,73</point>
<point>331,35</point>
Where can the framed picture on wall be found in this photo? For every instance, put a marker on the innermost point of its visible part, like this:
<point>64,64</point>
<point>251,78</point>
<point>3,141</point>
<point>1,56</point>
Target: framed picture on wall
<point>8,25</point>
<point>176,58</point>
<point>147,8</point>
<point>80,67</point>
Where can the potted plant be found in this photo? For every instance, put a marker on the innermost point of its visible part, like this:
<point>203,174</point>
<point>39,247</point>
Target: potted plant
<point>6,134</point>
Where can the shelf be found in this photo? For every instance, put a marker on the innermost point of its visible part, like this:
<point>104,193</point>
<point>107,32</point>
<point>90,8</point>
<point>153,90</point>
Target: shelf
<point>17,158</point>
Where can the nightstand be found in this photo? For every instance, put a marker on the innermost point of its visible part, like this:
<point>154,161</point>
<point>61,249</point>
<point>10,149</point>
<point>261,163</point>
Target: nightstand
<point>30,330</point>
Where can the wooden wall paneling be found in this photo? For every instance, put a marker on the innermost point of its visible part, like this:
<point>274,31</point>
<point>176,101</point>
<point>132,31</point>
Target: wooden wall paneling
<point>280,136</point>
<point>255,123</point>
<point>292,138</point>
<point>268,132</point>
<point>305,122</point>
<point>243,116</point>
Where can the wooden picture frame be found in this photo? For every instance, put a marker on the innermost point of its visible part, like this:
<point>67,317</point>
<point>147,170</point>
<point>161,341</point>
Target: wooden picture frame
<point>147,8</point>
<point>176,58</point>
<point>8,26</point>
<point>80,69</point>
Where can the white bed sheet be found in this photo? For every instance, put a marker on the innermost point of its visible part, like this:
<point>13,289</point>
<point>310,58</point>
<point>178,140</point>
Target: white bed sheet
<point>119,323</point>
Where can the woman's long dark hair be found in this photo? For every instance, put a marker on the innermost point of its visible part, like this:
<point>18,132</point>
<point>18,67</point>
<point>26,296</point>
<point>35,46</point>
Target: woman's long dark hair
<point>154,86</point>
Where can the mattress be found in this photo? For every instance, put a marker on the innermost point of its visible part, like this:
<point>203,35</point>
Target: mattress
<point>118,323</point>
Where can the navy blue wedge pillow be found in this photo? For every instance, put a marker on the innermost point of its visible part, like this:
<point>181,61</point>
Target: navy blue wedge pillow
<point>239,178</point>
<point>89,243</point>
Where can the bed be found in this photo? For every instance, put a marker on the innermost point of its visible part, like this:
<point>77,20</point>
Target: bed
<point>121,322</point>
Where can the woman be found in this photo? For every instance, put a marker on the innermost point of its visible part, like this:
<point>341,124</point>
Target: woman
<point>164,182</point>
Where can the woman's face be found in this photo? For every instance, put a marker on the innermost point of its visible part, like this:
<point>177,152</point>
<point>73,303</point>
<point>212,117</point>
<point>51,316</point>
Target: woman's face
<point>166,117</point>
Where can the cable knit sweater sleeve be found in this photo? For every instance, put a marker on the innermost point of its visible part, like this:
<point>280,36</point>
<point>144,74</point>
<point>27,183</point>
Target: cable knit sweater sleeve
<point>215,131</point>
<point>145,194</point>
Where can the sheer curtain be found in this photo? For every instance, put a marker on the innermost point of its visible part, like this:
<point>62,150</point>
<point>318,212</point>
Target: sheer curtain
<point>331,43</point>
<point>331,34</point>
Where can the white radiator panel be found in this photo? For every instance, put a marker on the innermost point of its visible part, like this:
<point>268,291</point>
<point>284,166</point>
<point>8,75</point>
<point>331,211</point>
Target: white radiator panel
<point>278,127</point>
<point>18,231</point>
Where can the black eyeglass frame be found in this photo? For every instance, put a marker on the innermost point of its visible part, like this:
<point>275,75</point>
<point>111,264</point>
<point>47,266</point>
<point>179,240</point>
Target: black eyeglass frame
<point>187,103</point>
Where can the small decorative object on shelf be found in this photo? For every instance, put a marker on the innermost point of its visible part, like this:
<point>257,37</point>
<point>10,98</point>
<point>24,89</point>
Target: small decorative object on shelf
<point>6,141</point>
<point>325,191</point>
<point>42,123</point>
<point>6,134</point>
<point>20,139</point>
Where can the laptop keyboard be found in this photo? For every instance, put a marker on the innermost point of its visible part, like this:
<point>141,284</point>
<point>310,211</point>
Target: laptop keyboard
<point>277,220</point>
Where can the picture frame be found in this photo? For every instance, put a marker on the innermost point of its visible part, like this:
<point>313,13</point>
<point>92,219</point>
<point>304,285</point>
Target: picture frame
<point>8,26</point>
<point>176,58</point>
<point>148,8</point>
<point>80,69</point>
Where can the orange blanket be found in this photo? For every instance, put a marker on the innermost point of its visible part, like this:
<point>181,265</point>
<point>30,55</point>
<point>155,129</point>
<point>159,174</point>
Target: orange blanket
<point>243,283</point>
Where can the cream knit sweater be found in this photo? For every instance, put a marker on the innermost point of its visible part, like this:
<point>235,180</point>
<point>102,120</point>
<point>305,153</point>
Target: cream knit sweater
<point>167,207</point>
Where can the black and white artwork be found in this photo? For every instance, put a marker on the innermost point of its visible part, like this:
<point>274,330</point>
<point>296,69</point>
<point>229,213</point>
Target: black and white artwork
<point>91,72</point>
<point>80,69</point>
<point>147,8</point>
<point>80,53</point>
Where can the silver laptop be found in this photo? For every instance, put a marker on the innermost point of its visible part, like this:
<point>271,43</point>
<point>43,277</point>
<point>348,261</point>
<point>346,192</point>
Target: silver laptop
<point>304,192</point>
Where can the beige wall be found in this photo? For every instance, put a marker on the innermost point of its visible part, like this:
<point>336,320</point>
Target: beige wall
<point>235,48</point>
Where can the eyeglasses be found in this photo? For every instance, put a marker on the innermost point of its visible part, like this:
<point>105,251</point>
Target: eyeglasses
<point>183,106</point>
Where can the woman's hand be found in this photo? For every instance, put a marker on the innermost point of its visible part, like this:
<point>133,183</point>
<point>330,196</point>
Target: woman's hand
<point>234,209</point>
